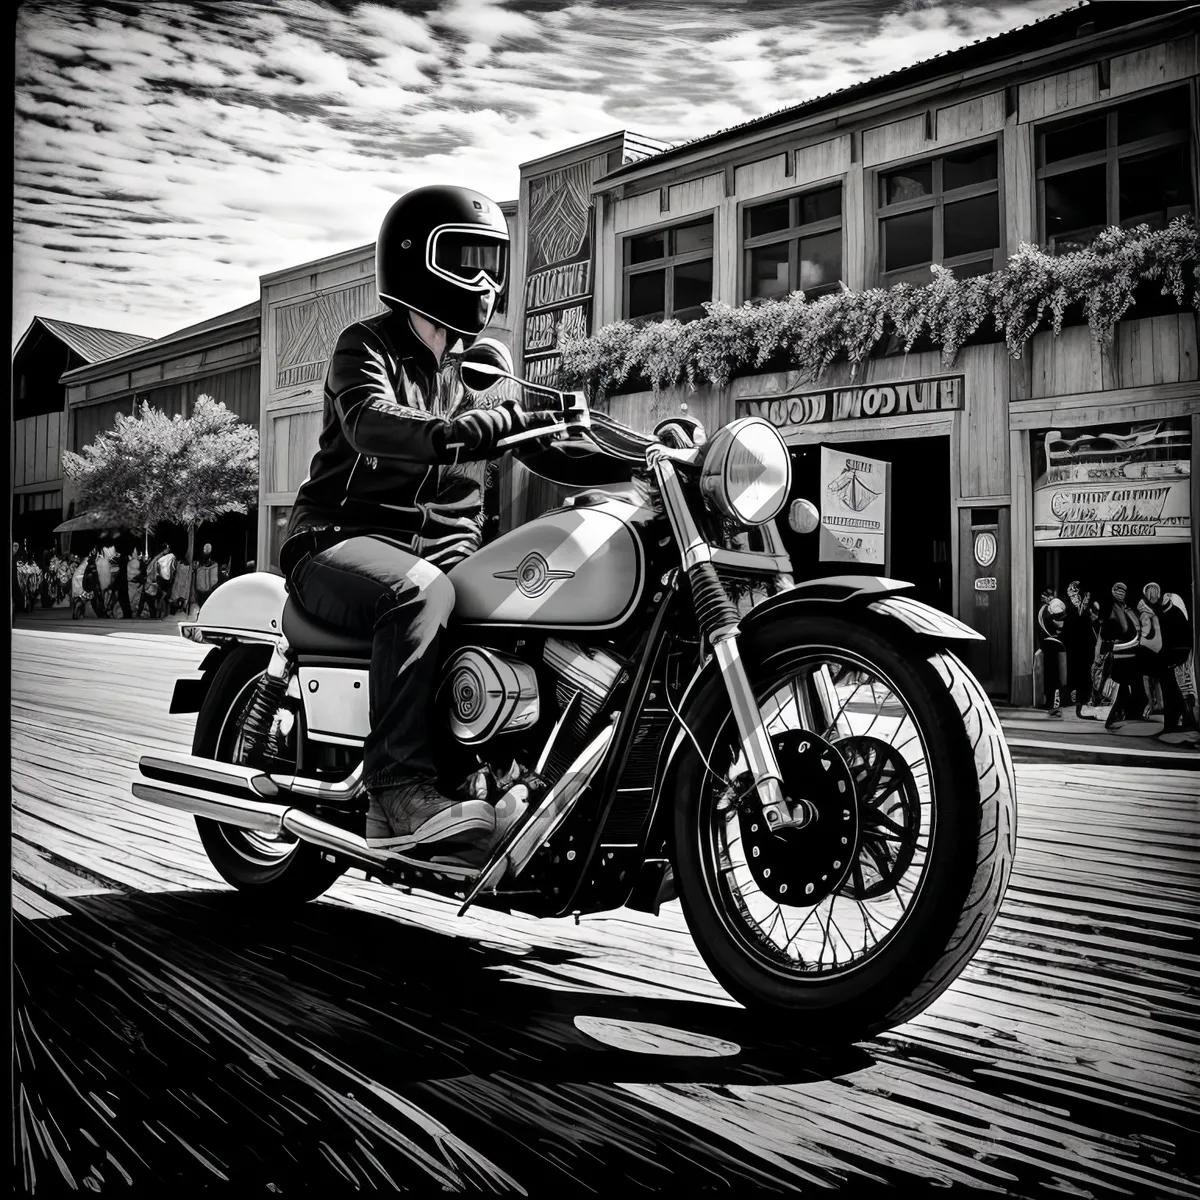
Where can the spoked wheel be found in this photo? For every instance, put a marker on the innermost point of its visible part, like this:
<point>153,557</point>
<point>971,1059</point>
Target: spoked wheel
<point>278,869</point>
<point>861,918</point>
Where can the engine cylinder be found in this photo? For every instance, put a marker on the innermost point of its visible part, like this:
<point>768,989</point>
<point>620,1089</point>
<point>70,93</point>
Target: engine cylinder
<point>488,693</point>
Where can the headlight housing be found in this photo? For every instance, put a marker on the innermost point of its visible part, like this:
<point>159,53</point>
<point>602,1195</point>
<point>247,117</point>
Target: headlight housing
<point>747,472</point>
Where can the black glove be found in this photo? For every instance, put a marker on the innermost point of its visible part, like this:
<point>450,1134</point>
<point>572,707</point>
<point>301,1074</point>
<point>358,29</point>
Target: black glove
<point>478,431</point>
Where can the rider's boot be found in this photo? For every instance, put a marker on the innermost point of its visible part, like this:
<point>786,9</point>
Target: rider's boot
<point>415,813</point>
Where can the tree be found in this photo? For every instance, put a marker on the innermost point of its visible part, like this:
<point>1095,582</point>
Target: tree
<point>212,469</point>
<point>122,475</point>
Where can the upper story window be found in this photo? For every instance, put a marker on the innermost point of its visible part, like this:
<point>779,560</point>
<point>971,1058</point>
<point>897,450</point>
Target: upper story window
<point>942,210</point>
<point>669,273</point>
<point>1127,166</point>
<point>793,244</point>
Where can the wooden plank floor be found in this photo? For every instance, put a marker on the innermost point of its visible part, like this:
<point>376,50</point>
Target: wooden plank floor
<point>166,1034</point>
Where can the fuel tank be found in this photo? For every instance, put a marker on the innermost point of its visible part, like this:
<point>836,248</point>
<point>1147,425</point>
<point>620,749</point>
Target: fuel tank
<point>574,568</point>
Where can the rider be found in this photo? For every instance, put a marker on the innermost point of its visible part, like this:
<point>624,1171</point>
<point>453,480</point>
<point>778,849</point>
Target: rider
<point>384,510</point>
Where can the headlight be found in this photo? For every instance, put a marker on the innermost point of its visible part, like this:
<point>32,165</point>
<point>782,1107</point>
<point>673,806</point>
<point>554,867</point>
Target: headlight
<point>747,472</point>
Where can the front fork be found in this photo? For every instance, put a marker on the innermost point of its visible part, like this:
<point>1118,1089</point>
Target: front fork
<point>719,624</point>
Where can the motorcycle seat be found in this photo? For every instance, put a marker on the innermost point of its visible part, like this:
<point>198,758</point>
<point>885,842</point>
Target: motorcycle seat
<point>307,636</point>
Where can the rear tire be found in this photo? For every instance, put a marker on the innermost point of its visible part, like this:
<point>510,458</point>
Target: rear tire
<point>969,861</point>
<point>295,873</point>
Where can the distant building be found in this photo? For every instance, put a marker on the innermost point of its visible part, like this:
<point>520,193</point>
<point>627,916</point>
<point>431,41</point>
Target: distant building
<point>47,350</point>
<point>218,357</point>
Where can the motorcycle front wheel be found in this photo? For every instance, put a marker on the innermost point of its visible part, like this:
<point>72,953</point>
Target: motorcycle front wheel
<point>932,843</point>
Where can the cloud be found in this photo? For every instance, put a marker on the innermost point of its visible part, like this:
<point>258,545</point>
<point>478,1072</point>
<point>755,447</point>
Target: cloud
<point>169,154</point>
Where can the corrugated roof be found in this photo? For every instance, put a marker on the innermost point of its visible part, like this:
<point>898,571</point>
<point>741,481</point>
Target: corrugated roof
<point>1103,15</point>
<point>91,344</point>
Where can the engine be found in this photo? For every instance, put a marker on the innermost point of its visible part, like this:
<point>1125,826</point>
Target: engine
<point>487,693</point>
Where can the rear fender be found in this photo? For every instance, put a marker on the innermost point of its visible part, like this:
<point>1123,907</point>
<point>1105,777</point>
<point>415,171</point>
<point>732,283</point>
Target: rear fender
<point>189,694</point>
<point>838,595</point>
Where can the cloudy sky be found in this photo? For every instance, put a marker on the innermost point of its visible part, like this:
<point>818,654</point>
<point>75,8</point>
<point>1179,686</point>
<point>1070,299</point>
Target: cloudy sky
<point>169,154</point>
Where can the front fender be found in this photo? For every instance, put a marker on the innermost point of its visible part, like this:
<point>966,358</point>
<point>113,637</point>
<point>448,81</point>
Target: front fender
<point>842,594</point>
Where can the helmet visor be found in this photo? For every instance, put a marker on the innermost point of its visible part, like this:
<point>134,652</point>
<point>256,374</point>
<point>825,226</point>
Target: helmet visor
<point>472,257</point>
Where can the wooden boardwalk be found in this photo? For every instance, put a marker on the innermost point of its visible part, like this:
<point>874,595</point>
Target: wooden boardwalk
<point>166,1036</point>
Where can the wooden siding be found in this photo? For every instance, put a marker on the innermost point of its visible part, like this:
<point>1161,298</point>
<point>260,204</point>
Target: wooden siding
<point>1020,206</point>
<point>1067,90</point>
<point>238,390</point>
<point>294,438</point>
<point>90,420</point>
<point>696,196</point>
<point>37,447</point>
<point>1153,350</point>
<point>955,123</point>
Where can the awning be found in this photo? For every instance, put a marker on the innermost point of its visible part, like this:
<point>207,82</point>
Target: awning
<point>84,521</point>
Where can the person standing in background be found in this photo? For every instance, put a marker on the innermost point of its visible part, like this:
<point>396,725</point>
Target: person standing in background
<point>165,568</point>
<point>121,576</point>
<point>1121,634</point>
<point>1079,636</point>
<point>1051,620</point>
<point>18,595</point>
<point>206,575</point>
<point>1174,630</point>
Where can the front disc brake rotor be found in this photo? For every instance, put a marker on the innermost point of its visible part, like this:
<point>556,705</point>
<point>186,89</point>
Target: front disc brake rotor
<point>802,866</point>
<point>889,815</point>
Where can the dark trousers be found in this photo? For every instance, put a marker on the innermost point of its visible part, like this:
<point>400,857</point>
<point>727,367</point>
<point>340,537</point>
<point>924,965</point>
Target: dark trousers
<point>121,584</point>
<point>1054,669</point>
<point>376,588</point>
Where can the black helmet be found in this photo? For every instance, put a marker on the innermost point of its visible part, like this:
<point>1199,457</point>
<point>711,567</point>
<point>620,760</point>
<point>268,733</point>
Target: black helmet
<point>443,252</point>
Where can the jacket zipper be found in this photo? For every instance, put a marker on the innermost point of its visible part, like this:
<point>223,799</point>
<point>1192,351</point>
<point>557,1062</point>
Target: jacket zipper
<point>346,495</point>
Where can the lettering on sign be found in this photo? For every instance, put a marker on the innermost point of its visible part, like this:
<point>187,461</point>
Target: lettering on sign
<point>855,508</point>
<point>985,583</point>
<point>554,285</point>
<point>1124,483</point>
<point>543,370</point>
<point>545,330</point>
<point>944,394</point>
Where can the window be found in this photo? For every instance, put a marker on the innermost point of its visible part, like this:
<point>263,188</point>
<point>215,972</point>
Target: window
<point>1127,166</point>
<point>943,210</point>
<point>669,273</point>
<point>793,244</point>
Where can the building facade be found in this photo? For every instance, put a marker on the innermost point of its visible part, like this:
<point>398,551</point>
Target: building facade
<point>218,357</point>
<point>47,349</point>
<point>1008,477</point>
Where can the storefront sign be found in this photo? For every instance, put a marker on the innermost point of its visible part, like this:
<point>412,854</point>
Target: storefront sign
<point>855,508</point>
<point>985,549</point>
<point>1122,484</point>
<point>944,394</point>
<point>547,329</point>
<point>985,583</point>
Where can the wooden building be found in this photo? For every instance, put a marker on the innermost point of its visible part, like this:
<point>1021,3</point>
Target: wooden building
<point>1043,135</point>
<point>218,357</point>
<point>47,349</point>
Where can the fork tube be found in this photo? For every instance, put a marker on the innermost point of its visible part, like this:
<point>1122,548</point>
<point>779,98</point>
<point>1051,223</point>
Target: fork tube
<point>718,623</point>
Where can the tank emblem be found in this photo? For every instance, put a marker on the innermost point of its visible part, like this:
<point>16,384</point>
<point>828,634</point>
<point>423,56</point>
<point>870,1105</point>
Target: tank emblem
<point>534,577</point>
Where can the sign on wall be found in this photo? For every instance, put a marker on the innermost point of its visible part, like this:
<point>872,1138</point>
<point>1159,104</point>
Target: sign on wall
<point>943,394</point>
<point>1127,483</point>
<point>856,497</point>
<point>559,268</point>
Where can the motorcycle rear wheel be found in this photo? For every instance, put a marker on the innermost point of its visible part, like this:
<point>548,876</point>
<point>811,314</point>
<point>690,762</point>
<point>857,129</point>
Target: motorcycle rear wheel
<point>269,872</point>
<point>961,869</point>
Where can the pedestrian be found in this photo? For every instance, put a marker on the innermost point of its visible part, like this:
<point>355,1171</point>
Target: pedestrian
<point>136,571</point>
<point>121,577</point>
<point>165,575</point>
<point>92,589</point>
<point>1051,619</point>
<point>1079,635</point>
<point>206,575</point>
<point>1175,649</point>
<point>1121,634</point>
<point>149,598</point>
<point>18,592</point>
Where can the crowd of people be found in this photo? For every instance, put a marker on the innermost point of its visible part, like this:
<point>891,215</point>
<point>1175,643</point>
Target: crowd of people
<point>1131,657</point>
<point>112,579</point>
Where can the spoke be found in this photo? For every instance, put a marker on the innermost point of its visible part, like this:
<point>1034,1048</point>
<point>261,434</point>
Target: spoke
<point>838,715</point>
<point>879,818</point>
<point>799,927</point>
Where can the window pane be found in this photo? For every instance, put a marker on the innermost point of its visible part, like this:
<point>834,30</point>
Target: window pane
<point>1076,208</point>
<point>967,270</point>
<point>768,218</point>
<point>820,260</point>
<point>694,237</point>
<point>820,206</point>
<point>769,272</point>
<point>1080,137</point>
<point>1155,187</point>
<point>968,167</point>
<point>971,225</point>
<point>908,240</point>
<point>647,247</point>
<point>1164,112</point>
<point>693,284</point>
<point>647,294</point>
<point>908,183</point>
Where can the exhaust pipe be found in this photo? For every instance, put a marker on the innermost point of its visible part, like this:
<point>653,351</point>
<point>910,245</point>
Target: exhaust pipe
<point>229,810</point>
<point>189,771</point>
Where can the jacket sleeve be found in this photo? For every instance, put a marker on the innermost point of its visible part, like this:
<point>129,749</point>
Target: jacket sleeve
<point>378,423</point>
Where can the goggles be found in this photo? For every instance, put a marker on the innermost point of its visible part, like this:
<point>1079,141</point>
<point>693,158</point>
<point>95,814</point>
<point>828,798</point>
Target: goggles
<point>468,256</point>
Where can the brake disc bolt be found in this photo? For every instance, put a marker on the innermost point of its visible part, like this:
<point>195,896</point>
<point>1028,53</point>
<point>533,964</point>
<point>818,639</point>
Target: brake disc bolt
<point>767,873</point>
<point>755,851</point>
<point>837,866</point>
<point>782,888</point>
<point>808,887</point>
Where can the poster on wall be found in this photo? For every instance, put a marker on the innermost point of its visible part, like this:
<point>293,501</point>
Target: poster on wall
<point>1116,484</point>
<point>559,268</point>
<point>856,495</point>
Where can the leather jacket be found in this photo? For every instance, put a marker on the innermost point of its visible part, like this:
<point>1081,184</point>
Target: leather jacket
<point>388,463</point>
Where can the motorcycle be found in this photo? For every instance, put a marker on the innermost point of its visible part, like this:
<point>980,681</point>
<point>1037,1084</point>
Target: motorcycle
<point>809,767</point>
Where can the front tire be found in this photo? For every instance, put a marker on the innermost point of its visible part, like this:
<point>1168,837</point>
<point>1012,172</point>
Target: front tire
<point>963,867</point>
<point>271,873</point>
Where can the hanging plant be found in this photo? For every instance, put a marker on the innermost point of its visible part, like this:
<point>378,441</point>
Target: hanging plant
<point>1033,290</point>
